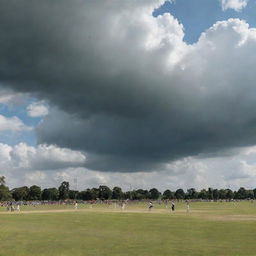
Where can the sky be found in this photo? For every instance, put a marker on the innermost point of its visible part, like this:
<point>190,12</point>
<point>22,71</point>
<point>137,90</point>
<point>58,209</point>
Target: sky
<point>136,94</point>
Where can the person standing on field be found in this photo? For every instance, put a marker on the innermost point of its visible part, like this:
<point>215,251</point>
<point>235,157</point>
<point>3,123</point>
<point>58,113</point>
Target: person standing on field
<point>187,203</point>
<point>150,206</point>
<point>173,206</point>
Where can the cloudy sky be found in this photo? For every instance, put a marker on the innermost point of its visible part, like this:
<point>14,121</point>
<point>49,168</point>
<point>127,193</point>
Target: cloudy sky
<point>135,93</point>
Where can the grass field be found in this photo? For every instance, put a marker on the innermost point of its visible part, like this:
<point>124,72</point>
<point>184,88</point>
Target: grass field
<point>209,229</point>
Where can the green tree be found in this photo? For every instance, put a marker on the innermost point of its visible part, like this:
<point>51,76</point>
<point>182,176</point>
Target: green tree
<point>192,193</point>
<point>117,193</point>
<point>222,193</point>
<point>21,193</point>
<point>35,193</point>
<point>95,193</point>
<point>128,195</point>
<point>154,193</point>
<point>64,190</point>
<point>210,193</point>
<point>216,194</point>
<point>249,194</point>
<point>168,194</point>
<point>86,195</point>
<point>105,192</point>
<point>51,194</point>
<point>229,194</point>
<point>254,193</point>
<point>140,194</point>
<point>180,194</point>
<point>203,194</point>
<point>5,194</point>
<point>241,193</point>
<point>73,194</point>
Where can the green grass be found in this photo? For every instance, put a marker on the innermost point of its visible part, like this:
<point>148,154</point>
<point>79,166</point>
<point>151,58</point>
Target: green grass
<point>209,229</point>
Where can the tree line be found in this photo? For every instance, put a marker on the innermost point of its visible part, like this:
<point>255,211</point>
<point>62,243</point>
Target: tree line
<point>103,192</point>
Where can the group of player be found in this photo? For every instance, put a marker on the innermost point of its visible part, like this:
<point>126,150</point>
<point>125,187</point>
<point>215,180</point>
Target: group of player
<point>13,208</point>
<point>151,205</point>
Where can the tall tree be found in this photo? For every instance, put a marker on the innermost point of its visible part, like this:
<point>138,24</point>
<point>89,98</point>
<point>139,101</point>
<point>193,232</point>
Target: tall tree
<point>210,193</point>
<point>241,193</point>
<point>216,194</point>
<point>105,192</point>
<point>86,195</point>
<point>254,193</point>
<point>203,194</point>
<point>192,193</point>
<point>64,190</point>
<point>154,193</point>
<point>21,193</point>
<point>73,194</point>
<point>117,193</point>
<point>229,194</point>
<point>51,194</point>
<point>95,193</point>
<point>5,193</point>
<point>168,194</point>
<point>35,193</point>
<point>180,194</point>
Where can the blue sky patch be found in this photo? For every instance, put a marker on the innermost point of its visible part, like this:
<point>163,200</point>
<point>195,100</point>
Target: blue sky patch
<point>198,15</point>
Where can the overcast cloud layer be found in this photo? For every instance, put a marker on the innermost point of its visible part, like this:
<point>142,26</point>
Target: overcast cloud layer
<point>125,88</point>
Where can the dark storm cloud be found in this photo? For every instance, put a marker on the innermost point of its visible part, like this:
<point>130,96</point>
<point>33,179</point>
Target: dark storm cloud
<point>130,92</point>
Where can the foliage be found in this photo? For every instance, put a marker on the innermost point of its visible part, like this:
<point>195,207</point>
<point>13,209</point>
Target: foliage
<point>50,194</point>
<point>154,194</point>
<point>35,193</point>
<point>21,193</point>
<point>117,193</point>
<point>180,194</point>
<point>64,190</point>
<point>105,192</point>
<point>168,194</point>
<point>5,193</point>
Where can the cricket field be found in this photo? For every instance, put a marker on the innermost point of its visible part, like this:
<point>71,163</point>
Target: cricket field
<point>209,228</point>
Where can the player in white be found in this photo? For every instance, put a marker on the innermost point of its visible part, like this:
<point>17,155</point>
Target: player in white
<point>123,206</point>
<point>150,206</point>
<point>76,205</point>
<point>187,203</point>
<point>173,206</point>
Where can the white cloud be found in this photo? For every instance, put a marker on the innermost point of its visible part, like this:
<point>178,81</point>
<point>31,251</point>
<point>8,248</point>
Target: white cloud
<point>44,157</point>
<point>24,165</point>
<point>11,98</point>
<point>237,5</point>
<point>37,109</point>
<point>218,172</point>
<point>12,124</point>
